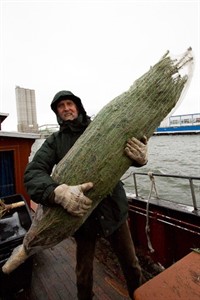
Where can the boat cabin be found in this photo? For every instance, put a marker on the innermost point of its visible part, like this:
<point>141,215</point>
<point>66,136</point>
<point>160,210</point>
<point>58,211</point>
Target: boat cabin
<point>15,148</point>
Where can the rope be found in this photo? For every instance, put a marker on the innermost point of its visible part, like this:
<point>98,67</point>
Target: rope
<point>129,175</point>
<point>147,227</point>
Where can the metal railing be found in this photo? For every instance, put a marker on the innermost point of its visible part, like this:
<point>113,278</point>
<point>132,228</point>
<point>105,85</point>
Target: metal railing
<point>189,178</point>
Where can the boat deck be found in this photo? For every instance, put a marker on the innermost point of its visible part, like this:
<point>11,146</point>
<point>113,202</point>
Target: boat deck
<point>53,277</point>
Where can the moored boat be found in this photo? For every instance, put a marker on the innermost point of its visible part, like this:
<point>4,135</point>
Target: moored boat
<point>180,124</point>
<point>164,232</point>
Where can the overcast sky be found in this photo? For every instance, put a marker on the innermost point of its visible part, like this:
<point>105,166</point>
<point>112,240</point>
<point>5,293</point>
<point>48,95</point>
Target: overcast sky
<point>96,49</point>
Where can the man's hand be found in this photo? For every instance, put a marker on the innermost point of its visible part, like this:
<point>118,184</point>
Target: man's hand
<point>137,150</point>
<point>72,198</point>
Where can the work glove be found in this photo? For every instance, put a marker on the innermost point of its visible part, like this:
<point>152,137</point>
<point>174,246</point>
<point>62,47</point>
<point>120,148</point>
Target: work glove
<point>72,198</point>
<point>137,150</point>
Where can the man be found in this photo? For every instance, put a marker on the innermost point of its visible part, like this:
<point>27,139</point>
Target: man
<point>109,218</point>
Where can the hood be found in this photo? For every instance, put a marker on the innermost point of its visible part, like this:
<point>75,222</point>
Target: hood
<point>68,95</point>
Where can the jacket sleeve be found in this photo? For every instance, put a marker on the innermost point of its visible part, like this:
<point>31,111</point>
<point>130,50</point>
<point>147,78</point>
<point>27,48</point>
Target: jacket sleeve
<point>136,165</point>
<point>37,176</point>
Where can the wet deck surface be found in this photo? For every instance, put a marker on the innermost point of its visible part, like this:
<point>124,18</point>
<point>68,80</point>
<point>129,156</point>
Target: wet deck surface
<point>53,277</point>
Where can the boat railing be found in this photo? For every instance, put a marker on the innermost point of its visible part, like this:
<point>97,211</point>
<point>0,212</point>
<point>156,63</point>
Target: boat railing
<point>191,180</point>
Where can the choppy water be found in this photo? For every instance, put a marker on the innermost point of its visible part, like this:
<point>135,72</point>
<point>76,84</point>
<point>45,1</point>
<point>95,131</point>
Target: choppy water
<point>174,155</point>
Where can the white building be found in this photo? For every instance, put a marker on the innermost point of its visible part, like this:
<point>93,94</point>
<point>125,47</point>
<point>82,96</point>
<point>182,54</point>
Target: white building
<point>26,110</point>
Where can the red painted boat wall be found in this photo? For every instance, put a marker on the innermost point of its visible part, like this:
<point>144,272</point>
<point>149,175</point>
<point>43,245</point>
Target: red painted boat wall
<point>21,148</point>
<point>173,233</point>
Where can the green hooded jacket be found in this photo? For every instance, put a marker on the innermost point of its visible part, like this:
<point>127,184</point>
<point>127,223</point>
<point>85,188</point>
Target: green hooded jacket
<point>111,212</point>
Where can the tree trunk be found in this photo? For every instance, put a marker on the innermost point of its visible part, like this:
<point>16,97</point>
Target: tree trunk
<point>98,155</point>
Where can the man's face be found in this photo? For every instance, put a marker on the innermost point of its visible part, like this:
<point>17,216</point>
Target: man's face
<point>67,110</point>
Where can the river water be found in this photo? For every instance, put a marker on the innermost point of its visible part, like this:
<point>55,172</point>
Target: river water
<point>174,155</point>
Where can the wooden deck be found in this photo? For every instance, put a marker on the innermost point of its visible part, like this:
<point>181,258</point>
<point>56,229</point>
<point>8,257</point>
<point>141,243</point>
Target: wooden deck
<point>53,277</point>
